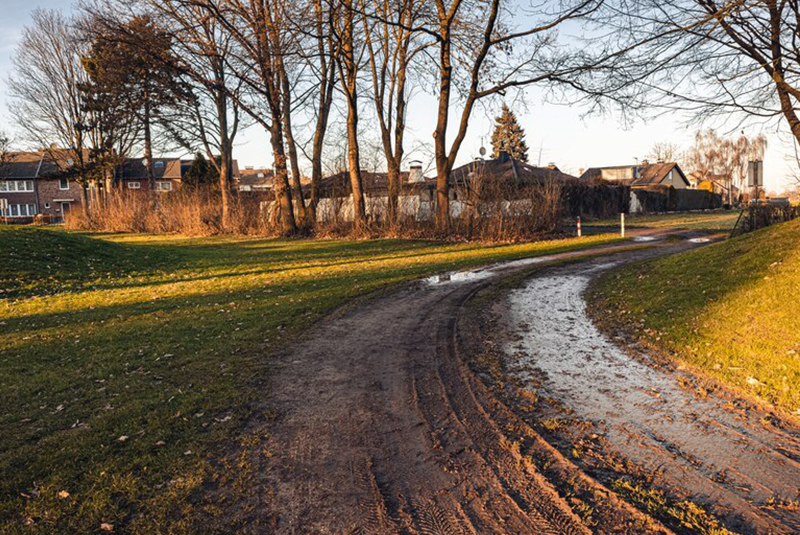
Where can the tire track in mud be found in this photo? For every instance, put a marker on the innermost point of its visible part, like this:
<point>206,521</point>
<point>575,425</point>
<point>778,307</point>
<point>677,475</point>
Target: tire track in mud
<point>730,459</point>
<point>380,428</point>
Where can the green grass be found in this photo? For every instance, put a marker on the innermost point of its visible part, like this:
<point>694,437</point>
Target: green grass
<point>166,341</point>
<point>711,220</point>
<point>730,309</point>
<point>681,516</point>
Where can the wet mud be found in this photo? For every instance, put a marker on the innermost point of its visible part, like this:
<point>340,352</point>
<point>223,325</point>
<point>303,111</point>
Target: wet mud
<point>374,423</point>
<point>743,465</point>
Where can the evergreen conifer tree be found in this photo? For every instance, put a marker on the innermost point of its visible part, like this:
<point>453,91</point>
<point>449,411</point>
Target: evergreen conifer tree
<point>509,136</point>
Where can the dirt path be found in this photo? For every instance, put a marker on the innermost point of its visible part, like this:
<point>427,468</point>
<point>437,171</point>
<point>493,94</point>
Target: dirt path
<point>743,464</point>
<point>378,427</point>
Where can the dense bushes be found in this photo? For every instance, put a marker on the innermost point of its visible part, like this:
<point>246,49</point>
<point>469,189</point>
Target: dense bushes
<point>658,199</point>
<point>599,200</point>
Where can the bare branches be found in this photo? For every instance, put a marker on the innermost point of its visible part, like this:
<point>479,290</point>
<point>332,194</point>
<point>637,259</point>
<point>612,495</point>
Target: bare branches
<point>45,85</point>
<point>722,57</point>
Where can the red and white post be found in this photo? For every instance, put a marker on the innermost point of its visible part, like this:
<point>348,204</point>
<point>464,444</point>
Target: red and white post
<point>579,226</point>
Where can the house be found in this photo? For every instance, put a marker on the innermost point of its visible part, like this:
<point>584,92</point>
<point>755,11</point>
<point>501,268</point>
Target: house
<point>132,174</point>
<point>254,179</point>
<point>30,185</point>
<point>506,170</point>
<point>37,184</point>
<point>642,175</point>
<point>417,194</point>
<point>715,183</point>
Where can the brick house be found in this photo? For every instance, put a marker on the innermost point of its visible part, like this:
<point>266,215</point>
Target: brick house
<point>252,179</point>
<point>132,174</point>
<point>30,187</point>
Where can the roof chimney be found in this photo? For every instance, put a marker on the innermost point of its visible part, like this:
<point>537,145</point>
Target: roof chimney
<point>551,165</point>
<point>415,172</point>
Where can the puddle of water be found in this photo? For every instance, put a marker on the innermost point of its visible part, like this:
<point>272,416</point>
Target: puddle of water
<point>699,240</point>
<point>644,238</point>
<point>458,277</point>
<point>646,414</point>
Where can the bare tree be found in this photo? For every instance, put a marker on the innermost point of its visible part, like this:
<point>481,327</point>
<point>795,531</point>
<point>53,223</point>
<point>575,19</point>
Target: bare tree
<point>722,57</point>
<point>714,156</point>
<point>664,151</point>
<point>348,61</point>
<point>211,118</point>
<point>324,68</point>
<point>258,29</point>
<point>482,54</point>
<point>392,44</point>
<point>45,91</point>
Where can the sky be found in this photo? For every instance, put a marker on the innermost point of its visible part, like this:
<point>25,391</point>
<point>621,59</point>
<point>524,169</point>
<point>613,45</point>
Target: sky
<point>555,133</point>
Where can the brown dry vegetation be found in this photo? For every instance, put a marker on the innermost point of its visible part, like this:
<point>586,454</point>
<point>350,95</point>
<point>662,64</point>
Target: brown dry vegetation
<point>188,212</point>
<point>486,216</point>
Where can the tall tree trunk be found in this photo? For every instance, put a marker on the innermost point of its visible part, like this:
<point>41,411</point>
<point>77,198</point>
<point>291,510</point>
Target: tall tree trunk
<point>325,97</point>
<point>148,146</point>
<point>225,159</point>
<point>393,176</point>
<point>282,189</point>
<point>350,87</point>
<point>439,136</point>
<point>225,192</point>
<point>354,166</point>
<point>297,187</point>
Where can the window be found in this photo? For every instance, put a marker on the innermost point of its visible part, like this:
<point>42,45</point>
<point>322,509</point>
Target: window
<point>260,175</point>
<point>159,163</point>
<point>21,210</point>
<point>18,186</point>
<point>134,185</point>
<point>63,184</point>
<point>164,186</point>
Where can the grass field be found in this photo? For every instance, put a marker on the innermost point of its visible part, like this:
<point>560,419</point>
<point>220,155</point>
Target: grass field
<point>126,359</point>
<point>730,309</point>
<point>711,220</point>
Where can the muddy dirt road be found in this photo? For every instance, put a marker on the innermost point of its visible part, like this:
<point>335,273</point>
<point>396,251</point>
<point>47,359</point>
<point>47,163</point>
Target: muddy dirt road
<point>379,427</point>
<point>732,458</point>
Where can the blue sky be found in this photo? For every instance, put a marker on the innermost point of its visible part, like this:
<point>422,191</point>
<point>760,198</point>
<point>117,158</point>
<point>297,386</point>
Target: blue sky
<point>565,138</point>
